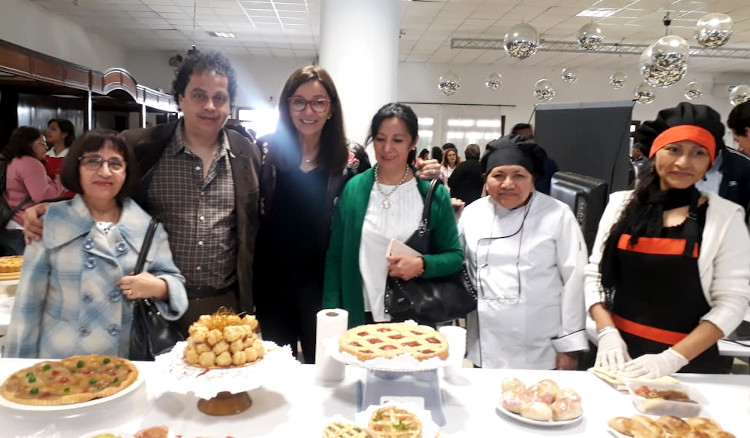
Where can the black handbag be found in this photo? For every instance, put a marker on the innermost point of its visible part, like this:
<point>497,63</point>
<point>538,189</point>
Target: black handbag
<point>151,334</point>
<point>429,300</point>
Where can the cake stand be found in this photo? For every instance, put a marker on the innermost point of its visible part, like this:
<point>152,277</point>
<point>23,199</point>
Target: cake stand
<point>223,391</point>
<point>400,379</point>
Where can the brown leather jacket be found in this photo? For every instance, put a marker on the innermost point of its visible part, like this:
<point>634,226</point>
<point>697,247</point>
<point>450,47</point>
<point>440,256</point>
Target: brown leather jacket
<point>149,144</point>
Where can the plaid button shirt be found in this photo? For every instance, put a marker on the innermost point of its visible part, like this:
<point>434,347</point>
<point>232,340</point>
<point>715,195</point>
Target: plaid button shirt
<point>198,213</point>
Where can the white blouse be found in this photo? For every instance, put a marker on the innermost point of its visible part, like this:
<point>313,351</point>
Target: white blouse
<point>399,222</point>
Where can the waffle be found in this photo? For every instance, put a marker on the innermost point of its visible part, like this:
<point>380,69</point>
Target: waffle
<point>339,429</point>
<point>389,340</point>
<point>394,422</point>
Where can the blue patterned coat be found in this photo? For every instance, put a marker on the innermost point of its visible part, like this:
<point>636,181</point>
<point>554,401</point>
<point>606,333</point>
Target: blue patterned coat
<point>68,301</point>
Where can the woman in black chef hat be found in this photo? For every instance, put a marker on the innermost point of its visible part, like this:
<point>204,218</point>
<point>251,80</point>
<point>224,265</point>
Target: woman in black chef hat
<point>525,253</point>
<point>669,273</point>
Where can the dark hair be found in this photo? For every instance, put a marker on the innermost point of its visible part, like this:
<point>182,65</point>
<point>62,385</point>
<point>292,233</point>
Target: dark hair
<point>200,62</point>
<point>93,141</point>
<point>334,153</point>
<point>449,146</point>
<point>519,127</point>
<point>424,153</point>
<point>66,127</point>
<point>739,119</point>
<point>636,211</point>
<point>396,109</point>
<point>437,153</point>
<point>20,141</point>
<point>472,152</point>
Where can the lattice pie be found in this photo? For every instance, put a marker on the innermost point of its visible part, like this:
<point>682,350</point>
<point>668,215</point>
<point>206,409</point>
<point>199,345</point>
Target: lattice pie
<point>389,340</point>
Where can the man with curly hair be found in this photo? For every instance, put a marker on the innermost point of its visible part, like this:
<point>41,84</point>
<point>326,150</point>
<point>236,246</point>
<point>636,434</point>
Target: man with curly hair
<point>201,181</point>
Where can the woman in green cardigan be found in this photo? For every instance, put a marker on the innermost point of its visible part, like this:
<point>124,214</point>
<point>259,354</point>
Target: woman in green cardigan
<point>378,205</point>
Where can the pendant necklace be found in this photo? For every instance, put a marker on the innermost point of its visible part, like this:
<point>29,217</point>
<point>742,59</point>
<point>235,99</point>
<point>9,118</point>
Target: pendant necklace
<point>386,196</point>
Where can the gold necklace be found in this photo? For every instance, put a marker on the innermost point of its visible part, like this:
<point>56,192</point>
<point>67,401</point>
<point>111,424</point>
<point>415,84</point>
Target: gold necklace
<point>386,196</point>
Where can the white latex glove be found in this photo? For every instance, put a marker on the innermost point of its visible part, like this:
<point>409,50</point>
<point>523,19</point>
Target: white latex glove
<point>612,352</point>
<point>651,366</point>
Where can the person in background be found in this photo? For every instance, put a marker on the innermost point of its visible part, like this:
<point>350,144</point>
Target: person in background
<point>466,182</point>
<point>72,298</point>
<point>450,161</point>
<point>729,175</point>
<point>739,122</point>
<point>544,184</point>
<point>202,182</point>
<point>437,154</point>
<point>525,252</point>
<point>26,183</point>
<point>639,162</point>
<point>359,161</point>
<point>669,274</point>
<point>380,204</point>
<point>60,134</point>
<point>424,154</point>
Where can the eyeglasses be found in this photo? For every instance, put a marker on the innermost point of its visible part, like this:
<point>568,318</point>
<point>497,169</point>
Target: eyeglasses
<point>494,284</point>
<point>94,162</point>
<point>299,104</point>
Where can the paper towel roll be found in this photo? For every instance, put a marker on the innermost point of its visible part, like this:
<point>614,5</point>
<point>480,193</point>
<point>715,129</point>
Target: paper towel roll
<point>330,323</point>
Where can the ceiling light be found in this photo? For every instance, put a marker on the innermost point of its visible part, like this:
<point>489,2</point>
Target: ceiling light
<point>596,12</point>
<point>222,34</point>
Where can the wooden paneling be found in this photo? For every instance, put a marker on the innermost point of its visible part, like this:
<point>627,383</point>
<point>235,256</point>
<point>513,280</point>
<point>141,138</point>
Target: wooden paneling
<point>115,82</point>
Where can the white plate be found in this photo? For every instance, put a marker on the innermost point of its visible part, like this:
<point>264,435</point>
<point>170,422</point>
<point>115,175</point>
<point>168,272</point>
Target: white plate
<point>518,417</point>
<point>98,401</point>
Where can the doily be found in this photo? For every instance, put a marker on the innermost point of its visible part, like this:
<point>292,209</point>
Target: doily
<point>207,383</point>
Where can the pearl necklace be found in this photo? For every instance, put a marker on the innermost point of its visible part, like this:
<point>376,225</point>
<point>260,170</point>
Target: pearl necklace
<point>386,196</point>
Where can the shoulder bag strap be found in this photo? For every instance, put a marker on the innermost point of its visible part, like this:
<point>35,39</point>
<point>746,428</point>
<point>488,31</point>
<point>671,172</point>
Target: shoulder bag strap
<point>141,262</point>
<point>424,223</point>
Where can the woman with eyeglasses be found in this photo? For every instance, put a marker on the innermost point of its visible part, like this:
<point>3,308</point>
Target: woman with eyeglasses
<point>669,274</point>
<point>305,164</point>
<point>525,253</point>
<point>381,204</point>
<point>75,292</point>
<point>27,183</point>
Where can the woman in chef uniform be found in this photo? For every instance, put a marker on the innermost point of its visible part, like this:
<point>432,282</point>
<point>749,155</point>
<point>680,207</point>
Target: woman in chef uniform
<point>669,274</point>
<point>525,253</point>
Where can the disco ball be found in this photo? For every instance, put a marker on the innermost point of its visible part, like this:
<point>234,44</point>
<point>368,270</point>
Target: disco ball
<point>657,70</point>
<point>713,30</point>
<point>494,81</point>
<point>544,90</point>
<point>590,36</point>
<point>693,91</point>
<point>669,51</point>
<point>739,94</point>
<point>617,80</point>
<point>521,41</point>
<point>644,94</point>
<point>569,76</point>
<point>449,83</point>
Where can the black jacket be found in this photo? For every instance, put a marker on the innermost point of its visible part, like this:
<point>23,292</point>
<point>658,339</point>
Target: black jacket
<point>149,144</point>
<point>466,181</point>
<point>735,181</point>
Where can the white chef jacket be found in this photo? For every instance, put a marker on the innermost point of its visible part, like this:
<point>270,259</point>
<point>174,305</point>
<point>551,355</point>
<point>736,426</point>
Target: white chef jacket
<point>524,325</point>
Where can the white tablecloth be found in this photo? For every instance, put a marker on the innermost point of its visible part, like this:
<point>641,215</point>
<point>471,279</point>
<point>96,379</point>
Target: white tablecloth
<point>298,406</point>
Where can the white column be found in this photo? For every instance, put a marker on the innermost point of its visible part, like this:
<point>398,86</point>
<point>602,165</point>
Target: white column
<point>359,48</point>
